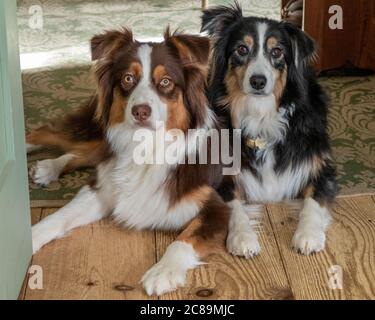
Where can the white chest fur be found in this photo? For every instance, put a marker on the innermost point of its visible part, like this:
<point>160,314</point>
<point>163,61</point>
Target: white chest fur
<point>272,186</point>
<point>139,198</point>
<point>137,194</point>
<point>258,117</point>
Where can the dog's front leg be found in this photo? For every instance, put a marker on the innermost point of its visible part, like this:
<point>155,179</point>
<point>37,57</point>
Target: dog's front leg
<point>204,235</point>
<point>85,208</point>
<point>315,217</point>
<point>242,239</point>
<point>313,221</point>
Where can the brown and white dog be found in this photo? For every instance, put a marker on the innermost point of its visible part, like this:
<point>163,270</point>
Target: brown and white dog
<point>138,85</point>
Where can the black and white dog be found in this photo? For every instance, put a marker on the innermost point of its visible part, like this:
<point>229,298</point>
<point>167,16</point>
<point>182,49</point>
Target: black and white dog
<point>262,82</point>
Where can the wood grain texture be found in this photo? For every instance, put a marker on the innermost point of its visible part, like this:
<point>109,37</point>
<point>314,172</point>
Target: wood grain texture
<point>228,277</point>
<point>36,214</point>
<point>98,261</point>
<point>350,245</point>
<point>102,261</point>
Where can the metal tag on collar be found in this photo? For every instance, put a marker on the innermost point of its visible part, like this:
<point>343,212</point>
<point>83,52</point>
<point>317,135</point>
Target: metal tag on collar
<point>257,143</point>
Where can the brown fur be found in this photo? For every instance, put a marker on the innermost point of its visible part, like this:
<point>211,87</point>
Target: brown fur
<point>183,58</point>
<point>271,42</point>
<point>234,77</point>
<point>177,116</point>
<point>309,192</point>
<point>117,113</point>
<point>199,195</point>
<point>249,40</point>
<point>88,154</point>
<point>318,162</point>
<point>193,52</point>
<point>207,233</point>
<point>232,83</point>
<point>159,72</point>
<point>280,83</point>
<point>103,45</point>
<point>103,48</point>
<point>77,133</point>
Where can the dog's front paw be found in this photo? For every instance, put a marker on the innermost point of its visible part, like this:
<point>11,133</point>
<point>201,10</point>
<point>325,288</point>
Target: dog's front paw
<point>308,240</point>
<point>162,278</point>
<point>243,244</point>
<point>44,172</point>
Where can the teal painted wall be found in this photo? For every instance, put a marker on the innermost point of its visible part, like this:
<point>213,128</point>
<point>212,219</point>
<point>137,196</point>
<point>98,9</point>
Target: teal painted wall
<point>15,228</point>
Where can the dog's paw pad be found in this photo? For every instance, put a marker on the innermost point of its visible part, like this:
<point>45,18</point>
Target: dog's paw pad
<point>44,172</point>
<point>162,278</point>
<point>243,244</point>
<point>308,241</point>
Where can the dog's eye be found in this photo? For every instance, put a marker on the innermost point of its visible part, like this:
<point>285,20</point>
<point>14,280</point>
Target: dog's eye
<point>242,50</point>
<point>276,52</point>
<point>129,78</point>
<point>128,81</point>
<point>165,83</point>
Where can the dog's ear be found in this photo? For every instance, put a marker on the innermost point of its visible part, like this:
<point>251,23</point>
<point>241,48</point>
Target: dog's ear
<point>217,19</point>
<point>104,44</point>
<point>304,48</point>
<point>190,49</point>
<point>194,52</point>
<point>103,48</point>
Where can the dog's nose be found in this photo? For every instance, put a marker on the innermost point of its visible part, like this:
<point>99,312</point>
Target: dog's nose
<point>141,112</point>
<point>258,82</point>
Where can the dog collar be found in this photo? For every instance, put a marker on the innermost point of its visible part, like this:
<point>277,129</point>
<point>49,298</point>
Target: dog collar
<point>257,143</point>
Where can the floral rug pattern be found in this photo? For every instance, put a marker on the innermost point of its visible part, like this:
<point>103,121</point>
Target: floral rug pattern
<point>64,81</point>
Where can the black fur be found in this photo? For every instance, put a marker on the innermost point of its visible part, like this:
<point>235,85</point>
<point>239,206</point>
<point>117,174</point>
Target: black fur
<point>306,136</point>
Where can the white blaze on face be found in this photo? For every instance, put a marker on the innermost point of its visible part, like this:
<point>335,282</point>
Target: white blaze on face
<point>145,92</point>
<point>258,115</point>
<point>261,65</point>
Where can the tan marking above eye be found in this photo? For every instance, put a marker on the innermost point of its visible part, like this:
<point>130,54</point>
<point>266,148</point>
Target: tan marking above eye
<point>132,75</point>
<point>271,42</point>
<point>135,69</point>
<point>248,40</point>
<point>159,73</point>
<point>162,79</point>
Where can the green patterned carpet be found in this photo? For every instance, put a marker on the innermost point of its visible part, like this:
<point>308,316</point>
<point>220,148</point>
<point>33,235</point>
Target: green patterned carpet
<point>59,80</point>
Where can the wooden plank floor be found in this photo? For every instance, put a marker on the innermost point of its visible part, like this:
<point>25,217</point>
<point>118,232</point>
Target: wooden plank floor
<point>102,261</point>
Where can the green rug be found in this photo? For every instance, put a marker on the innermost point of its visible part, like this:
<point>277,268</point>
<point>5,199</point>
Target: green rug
<point>49,95</point>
